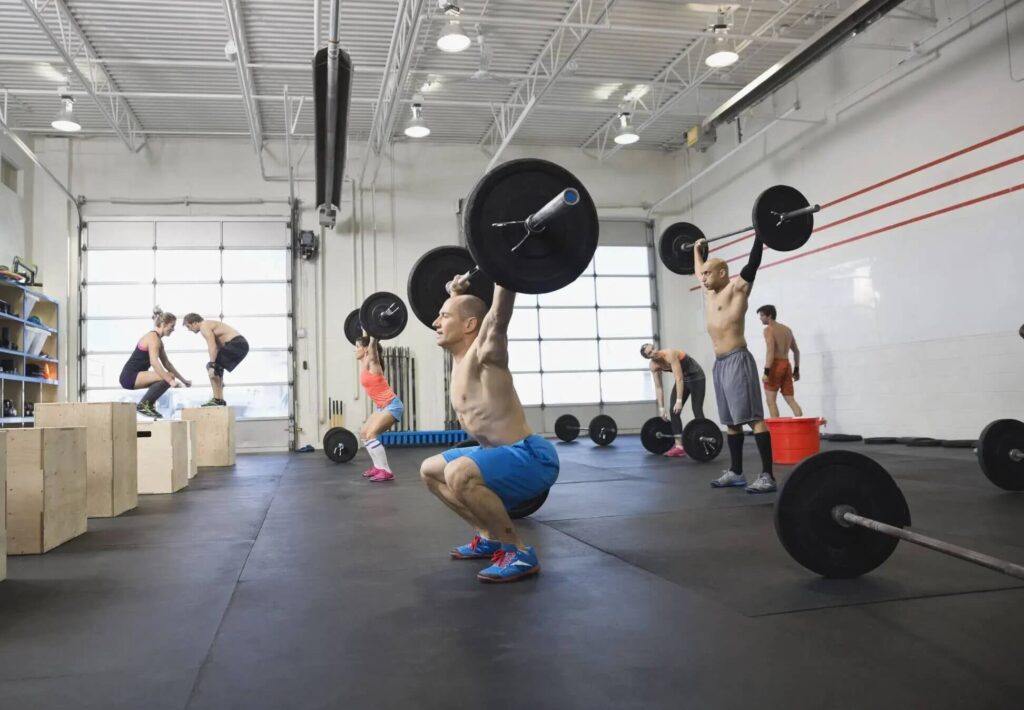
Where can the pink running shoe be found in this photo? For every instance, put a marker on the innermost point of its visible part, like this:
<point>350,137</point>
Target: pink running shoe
<point>370,472</point>
<point>676,452</point>
<point>382,476</point>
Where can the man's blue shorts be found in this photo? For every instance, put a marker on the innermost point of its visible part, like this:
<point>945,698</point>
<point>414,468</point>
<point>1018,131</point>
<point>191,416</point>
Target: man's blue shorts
<point>395,408</point>
<point>517,472</point>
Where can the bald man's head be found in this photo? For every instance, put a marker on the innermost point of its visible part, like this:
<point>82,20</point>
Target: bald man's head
<point>715,275</point>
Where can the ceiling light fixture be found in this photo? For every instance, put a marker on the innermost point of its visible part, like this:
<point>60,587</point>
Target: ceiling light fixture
<point>722,56</point>
<point>452,38</point>
<point>65,119</point>
<point>417,127</point>
<point>625,135</point>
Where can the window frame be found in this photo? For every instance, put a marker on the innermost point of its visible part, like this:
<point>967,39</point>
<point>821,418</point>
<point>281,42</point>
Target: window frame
<point>593,274</point>
<point>151,245</point>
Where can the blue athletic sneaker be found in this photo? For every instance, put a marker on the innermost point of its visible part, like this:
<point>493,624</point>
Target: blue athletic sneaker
<point>480,547</point>
<point>510,564</point>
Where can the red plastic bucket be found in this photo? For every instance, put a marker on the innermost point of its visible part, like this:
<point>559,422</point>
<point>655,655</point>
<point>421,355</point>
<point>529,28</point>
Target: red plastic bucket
<point>794,438</point>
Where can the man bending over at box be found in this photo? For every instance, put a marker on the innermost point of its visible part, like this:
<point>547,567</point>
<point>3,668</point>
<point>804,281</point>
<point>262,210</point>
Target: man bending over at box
<point>511,464</point>
<point>227,348</point>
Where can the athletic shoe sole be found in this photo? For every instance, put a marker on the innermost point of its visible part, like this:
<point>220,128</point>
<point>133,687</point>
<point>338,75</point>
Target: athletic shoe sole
<point>502,580</point>
<point>459,556</point>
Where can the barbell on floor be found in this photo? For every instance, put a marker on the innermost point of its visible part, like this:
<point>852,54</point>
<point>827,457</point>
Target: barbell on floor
<point>702,438</point>
<point>782,219</point>
<point>602,429</point>
<point>840,514</point>
<point>1001,453</point>
<point>340,444</point>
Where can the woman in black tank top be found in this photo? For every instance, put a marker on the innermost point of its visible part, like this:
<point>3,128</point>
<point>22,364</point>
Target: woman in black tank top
<point>149,352</point>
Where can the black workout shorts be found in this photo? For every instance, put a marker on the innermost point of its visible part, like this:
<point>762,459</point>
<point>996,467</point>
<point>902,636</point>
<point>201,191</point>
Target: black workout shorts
<point>231,353</point>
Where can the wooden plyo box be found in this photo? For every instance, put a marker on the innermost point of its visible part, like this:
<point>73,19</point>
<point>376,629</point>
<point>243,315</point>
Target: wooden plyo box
<point>193,442</point>
<point>163,456</point>
<point>47,480</point>
<point>113,486</point>
<point>215,435</point>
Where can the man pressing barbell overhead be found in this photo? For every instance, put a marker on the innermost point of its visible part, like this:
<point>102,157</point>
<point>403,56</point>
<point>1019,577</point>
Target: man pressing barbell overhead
<point>227,348</point>
<point>737,384</point>
<point>689,384</point>
<point>512,464</point>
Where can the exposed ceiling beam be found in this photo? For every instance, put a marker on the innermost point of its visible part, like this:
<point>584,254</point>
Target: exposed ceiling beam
<point>542,75</point>
<point>615,28</point>
<point>236,28</point>
<point>304,68</point>
<point>404,37</point>
<point>67,38</point>
<point>696,75</point>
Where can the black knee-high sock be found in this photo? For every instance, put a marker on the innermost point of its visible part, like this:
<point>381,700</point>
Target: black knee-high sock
<point>736,452</point>
<point>764,447</point>
<point>155,392</point>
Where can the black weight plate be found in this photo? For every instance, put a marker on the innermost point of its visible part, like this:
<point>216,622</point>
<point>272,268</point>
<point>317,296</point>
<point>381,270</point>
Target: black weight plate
<point>959,443</point>
<point>433,271</point>
<point>841,437</point>
<point>603,430</point>
<point>567,427</point>
<point>376,322</point>
<point>789,235</point>
<point>340,445</point>
<point>529,507</point>
<point>995,450</point>
<point>924,441</point>
<point>353,329</point>
<point>671,245</point>
<point>649,435</point>
<point>702,440</point>
<point>881,440</point>
<point>803,513</point>
<point>546,261</point>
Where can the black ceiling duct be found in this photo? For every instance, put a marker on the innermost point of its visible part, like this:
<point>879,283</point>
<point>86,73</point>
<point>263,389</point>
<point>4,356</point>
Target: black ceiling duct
<point>854,20</point>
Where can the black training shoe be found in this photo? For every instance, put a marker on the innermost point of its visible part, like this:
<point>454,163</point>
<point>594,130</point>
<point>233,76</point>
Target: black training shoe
<point>214,402</point>
<point>145,408</point>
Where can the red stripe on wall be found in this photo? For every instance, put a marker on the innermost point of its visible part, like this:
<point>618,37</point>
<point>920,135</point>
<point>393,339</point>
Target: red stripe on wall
<point>907,173</point>
<point>911,196</point>
<point>896,225</point>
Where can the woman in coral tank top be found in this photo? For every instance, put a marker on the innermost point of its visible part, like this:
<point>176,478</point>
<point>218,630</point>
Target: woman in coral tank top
<point>387,407</point>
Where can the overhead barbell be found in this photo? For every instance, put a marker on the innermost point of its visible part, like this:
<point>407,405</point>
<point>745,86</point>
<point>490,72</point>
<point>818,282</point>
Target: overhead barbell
<point>840,514</point>
<point>556,245</point>
<point>383,315</point>
<point>782,219</point>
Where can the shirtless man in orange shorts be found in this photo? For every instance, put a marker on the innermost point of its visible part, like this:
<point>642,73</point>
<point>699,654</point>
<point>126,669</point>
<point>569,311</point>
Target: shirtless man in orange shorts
<point>779,340</point>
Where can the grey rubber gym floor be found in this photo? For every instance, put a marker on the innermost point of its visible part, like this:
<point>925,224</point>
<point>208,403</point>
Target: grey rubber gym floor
<point>291,582</point>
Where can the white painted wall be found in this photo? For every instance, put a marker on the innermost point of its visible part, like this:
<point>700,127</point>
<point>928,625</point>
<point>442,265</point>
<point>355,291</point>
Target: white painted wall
<point>15,207</point>
<point>912,331</point>
<point>373,248</point>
